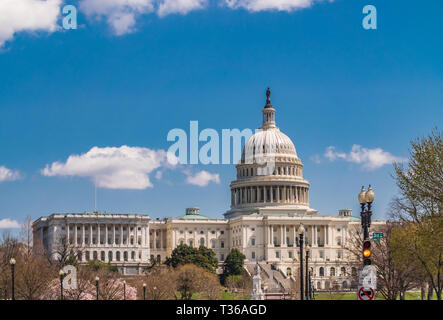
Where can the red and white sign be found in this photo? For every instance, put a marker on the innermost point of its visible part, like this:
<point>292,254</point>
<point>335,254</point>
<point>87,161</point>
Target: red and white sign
<point>366,293</point>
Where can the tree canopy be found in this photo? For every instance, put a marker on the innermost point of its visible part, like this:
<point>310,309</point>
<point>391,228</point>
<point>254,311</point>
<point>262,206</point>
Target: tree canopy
<point>202,257</point>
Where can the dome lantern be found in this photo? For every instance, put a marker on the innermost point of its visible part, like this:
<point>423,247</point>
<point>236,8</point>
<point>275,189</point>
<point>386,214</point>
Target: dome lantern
<point>268,112</point>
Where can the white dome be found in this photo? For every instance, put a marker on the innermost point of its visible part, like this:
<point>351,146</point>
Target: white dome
<point>269,141</point>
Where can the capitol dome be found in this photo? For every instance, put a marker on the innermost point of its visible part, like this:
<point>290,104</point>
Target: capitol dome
<point>269,174</point>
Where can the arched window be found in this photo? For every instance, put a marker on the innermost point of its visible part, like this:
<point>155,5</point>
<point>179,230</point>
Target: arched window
<point>132,255</point>
<point>322,272</point>
<point>117,255</point>
<point>159,258</point>
<point>332,272</point>
<point>102,256</point>
<point>152,258</point>
<point>110,256</point>
<point>94,255</point>
<point>125,256</point>
<point>213,244</point>
<point>87,257</point>
<point>344,285</point>
<point>343,271</point>
<point>191,243</point>
<point>202,241</point>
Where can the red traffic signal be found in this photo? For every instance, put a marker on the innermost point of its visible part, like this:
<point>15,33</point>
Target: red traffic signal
<point>366,244</point>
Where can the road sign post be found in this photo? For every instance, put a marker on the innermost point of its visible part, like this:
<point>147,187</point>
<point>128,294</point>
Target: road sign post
<point>365,293</point>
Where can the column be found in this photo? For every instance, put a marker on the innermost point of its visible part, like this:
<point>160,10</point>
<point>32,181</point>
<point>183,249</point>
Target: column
<point>75,234</point>
<point>98,234</point>
<point>312,235</point>
<point>106,234</point>
<point>325,235</point>
<point>68,240</point>
<point>265,196</point>
<point>271,194</point>
<point>113,234</point>
<point>90,234</point>
<point>278,194</point>
<point>83,234</point>
<point>272,235</point>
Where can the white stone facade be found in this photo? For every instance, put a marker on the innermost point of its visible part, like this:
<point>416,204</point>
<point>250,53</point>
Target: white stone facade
<point>263,222</point>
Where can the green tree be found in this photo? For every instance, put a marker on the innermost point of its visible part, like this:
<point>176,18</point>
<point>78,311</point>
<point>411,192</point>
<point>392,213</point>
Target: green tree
<point>420,207</point>
<point>202,257</point>
<point>233,264</point>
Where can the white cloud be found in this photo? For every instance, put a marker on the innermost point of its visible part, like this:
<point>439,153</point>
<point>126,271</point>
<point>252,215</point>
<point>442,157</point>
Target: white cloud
<point>9,224</point>
<point>371,159</point>
<point>279,5</point>
<point>120,14</point>
<point>113,168</point>
<point>8,174</point>
<point>202,178</point>
<point>27,15</point>
<point>166,7</point>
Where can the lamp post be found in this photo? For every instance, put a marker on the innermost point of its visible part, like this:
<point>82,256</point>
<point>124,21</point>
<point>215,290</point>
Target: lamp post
<point>124,290</point>
<point>61,275</point>
<point>366,198</point>
<point>310,283</point>
<point>307,273</point>
<point>97,279</point>
<point>144,291</point>
<point>301,230</point>
<point>12,263</point>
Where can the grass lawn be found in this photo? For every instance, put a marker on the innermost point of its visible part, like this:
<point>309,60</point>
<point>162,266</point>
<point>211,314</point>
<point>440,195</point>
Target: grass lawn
<point>353,296</point>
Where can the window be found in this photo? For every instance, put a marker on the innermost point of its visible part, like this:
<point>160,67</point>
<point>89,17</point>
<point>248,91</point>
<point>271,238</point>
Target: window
<point>275,241</point>
<point>181,231</point>
<point>338,229</point>
<point>338,254</point>
<point>202,241</point>
<point>253,255</point>
<point>332,272</point>
<point>318,229</point>
<point>132,255</point>
<point>252,229</point>
<point>342,271</point>
<point>212,232</point>
<point>201,232</point>
<point>277,254</point>
<point>191,243</point>
<point>290,254</point>
<point>222,232</point>
<point>322,272</point>
<point>339,241</point>
<point>222,257</point>
<point>274,229</point>
<point>222,244</point>
<point>320,253</point>
<point>190,231</point>
<point>212,243</point>
<point>287,229</point>
<point>253,242</point>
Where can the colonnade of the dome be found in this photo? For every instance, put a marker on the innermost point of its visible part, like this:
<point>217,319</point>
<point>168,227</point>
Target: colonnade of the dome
<point>269,194</point>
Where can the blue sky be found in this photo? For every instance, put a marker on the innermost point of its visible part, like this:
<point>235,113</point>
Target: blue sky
<point>63,92</point>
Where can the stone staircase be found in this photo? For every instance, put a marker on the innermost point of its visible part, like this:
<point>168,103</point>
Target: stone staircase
<point>273,280</point>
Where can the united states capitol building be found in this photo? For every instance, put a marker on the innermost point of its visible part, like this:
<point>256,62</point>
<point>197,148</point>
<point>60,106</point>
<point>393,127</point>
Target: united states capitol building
<point>263,222</point>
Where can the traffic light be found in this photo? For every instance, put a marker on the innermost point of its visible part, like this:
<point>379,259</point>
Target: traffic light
<point>367,252</point>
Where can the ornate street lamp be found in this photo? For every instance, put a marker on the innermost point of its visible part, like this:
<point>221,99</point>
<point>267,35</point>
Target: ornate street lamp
<point>366,198</point>
<point>301,231</point>
<point>144,291</point>
<point>12,263</point>
<point>61,275</point>
<point>307,274</point>
<point>97,279</point>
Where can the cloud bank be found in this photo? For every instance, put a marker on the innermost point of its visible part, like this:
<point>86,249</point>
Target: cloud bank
<point>203,178</point>
<point>112,167</point>
<point>9,224</point>
<point>370,159</point>
<point>8,174</point>
<point>27,15</point>
<point>262,5</point>
<point>123,167</point>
